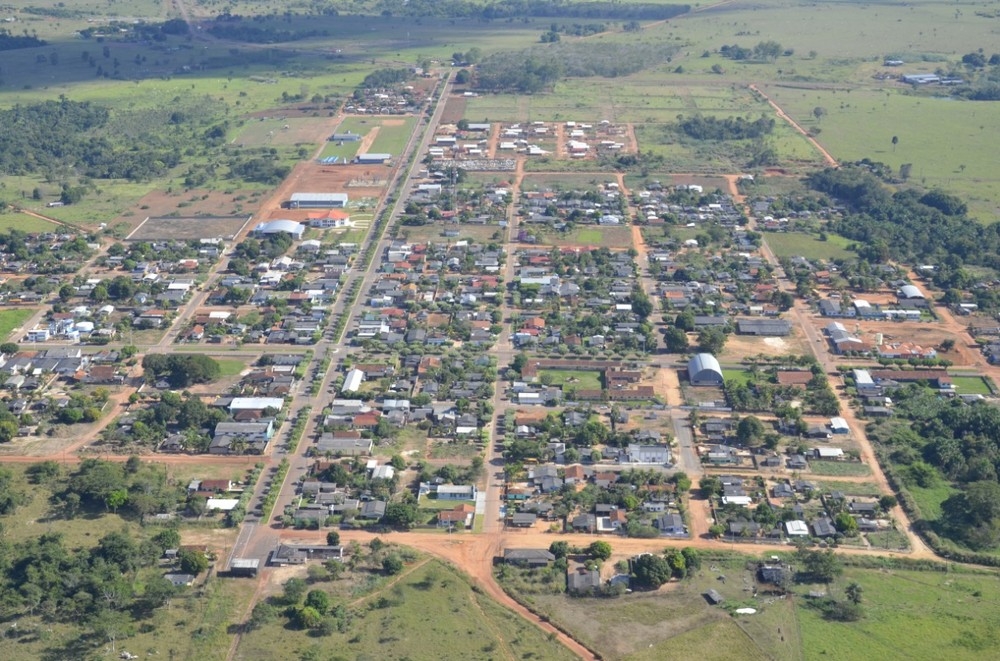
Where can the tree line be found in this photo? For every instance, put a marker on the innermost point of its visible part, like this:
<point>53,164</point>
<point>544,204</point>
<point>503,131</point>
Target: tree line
<point>536,69</point>
<point>727,128</point>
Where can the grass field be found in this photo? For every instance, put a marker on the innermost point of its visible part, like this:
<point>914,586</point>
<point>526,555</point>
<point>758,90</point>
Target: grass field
<point>580,379</point>
<point>25,223</point>
<point>675,622</point>
<point>840,468</point>
<point>11,318</point>
<point>393,135</point>
<point>850,488</point>
<point>916,615</point>
<point>431,612</point>
<point>609,237</point>
<point>797,244</point>
<point>739,376</point>
<point>231,367</point>
<point>929,499</point>
<point>971,385</point>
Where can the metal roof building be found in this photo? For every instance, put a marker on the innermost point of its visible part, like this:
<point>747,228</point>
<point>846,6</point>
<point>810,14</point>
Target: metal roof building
<point>704,370</point>
<point>277,226</point>
<point>317,201</point>
<point>353,381</point>
<point>909,291</point>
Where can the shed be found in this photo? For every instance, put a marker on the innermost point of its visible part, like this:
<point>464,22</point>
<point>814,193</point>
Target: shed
<point>713,597</point>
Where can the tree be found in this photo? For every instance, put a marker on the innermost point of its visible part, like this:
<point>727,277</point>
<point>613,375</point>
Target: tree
<point>651,570</point>
<point>400,515</point>
<point>710,485</point>
<point>8,348</point>
<point>846,524</point>
<point>306,617</point>
<point>820,566</point>
<point>262,614</point>
<point>333,538</point>
<point>192,561</point>
<point>887,502</point>
<point>711,340</point>
<point>854,593</point>
<point>819,112</point>
<point>750,431</point>
<point>559,549</point>
<point>392,564</point>
<point>319,600</point>
<point>295,588</point>
<point>600,550</point>
<point>397,462</point>
<point>895,141</point>
<point>676,340</point>
<point>681,481</point>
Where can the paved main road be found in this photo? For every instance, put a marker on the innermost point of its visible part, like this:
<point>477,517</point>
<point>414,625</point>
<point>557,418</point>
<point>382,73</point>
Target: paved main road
<point>263,536</point>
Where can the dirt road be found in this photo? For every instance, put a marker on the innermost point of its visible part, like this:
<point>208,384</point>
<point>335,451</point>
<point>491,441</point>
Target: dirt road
<point>830,160</point>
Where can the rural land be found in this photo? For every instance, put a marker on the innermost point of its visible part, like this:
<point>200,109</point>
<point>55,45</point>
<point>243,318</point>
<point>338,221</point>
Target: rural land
<point>471,329</point>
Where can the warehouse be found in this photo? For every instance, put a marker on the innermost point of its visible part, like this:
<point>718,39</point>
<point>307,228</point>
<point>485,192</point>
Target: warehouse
<point>704,370</point>
<point>372,158</point>
<point>317,201</point>
<point>279,226</point>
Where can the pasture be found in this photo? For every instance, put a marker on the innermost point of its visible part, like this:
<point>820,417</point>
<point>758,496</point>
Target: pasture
<point>928,614</point>
<point>25,223</point>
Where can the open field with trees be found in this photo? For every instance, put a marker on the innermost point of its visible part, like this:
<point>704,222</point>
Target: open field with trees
<point>389,602</point>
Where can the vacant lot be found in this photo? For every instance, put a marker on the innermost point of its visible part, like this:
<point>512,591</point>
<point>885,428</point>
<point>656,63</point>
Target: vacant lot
<point>797,244</point>
<point>12,318</point>
<point>286,131</point>
<point>675,622</point>
<point>189,229</point>
<point>431,612</point>
<point>614,237</point>
<point>579,379</point>
<point>840,468</point>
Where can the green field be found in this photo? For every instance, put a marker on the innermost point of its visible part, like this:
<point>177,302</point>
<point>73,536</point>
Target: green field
<point>839,468</point>
<point>797,244</point>
<point>739,376</point>
<point>393,134</point>
<point>25,223</point>
<point>579,379</point>
<point>431,612</point>
<point>907,614</point>
<point>610,237</point>
<point>11,318</point>
<point>971,385</point>
<point>231,367</point>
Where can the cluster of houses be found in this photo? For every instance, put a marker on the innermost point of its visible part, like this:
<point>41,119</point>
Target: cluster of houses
<point>791,510</point>
<point>433,295</point>
<point>603,205</point>
<point>535,500</point>
<point>687,205</point>
<point>404,99</point>
<point>413,389</point>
